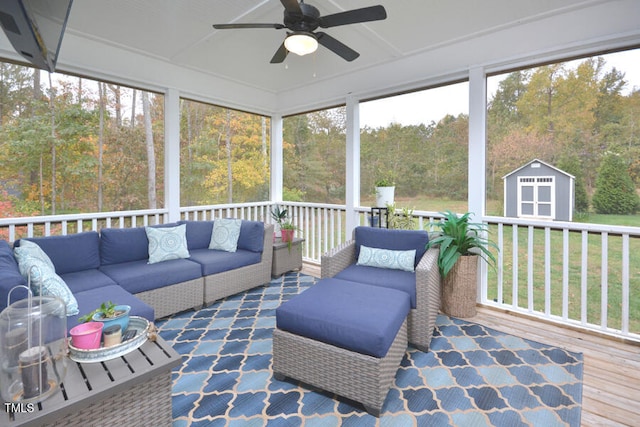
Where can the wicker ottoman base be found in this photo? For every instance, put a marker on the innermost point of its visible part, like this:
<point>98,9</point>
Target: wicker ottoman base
<point>365,379</point>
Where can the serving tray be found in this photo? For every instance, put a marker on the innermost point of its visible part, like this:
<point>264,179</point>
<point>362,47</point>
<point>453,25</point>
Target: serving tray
<point>140,324</point>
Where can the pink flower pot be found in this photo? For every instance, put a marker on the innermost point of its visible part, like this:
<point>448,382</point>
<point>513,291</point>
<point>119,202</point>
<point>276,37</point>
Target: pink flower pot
<point>86,336</point>
<point>287,235</point>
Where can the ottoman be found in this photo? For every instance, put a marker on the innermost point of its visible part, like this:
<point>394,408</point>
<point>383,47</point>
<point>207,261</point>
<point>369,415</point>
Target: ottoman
<point>344,337</point>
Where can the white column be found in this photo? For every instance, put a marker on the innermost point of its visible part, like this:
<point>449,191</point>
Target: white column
<point>172,154</point>
<point>277,162</point>
<point>477,157</point>
<point>477,142</point>
<point>353,164</point>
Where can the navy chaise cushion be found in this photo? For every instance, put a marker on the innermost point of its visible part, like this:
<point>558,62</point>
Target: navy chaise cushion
<point>385,277</point>
<point>350,315</point>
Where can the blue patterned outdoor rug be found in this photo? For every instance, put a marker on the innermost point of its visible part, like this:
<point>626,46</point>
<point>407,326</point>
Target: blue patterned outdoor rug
<point>472,375</point>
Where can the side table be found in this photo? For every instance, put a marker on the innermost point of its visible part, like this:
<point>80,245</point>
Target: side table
<point>286,258</point>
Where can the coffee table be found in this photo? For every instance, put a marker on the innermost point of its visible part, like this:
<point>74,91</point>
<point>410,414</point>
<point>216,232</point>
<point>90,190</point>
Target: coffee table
<point>134,389</point>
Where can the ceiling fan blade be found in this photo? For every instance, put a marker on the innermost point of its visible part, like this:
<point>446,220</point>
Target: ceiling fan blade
<point>280,54</point>
<point>365,14</point>
<point>337,47</point>
<point>233,26</point>
<point>291,6</point>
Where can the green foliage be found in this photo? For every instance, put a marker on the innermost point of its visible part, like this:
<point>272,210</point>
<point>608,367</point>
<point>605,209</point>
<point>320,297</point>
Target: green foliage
<point>615,192</point>
<point>581,198</point>
<point>106,309</point>
<point>458,237</point>
<point>402,220</point>
<point>278,214</point>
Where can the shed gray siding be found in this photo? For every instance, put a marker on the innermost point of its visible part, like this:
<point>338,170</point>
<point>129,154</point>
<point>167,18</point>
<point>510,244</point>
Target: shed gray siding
<point>564,189</point>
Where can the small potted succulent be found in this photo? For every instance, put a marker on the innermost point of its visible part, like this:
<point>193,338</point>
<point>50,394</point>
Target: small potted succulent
<point>109,314</point>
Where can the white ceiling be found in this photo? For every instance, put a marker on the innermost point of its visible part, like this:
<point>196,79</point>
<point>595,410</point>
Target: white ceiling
<point>162,44</point>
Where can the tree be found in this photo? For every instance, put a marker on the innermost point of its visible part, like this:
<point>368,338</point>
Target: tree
<point>615,192</point>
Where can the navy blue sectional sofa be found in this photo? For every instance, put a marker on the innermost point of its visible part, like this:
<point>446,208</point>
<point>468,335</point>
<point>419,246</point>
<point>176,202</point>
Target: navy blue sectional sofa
<point>113,266</point>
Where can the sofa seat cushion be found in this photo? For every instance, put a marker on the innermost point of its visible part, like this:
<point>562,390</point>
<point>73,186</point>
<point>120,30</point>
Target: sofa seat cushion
<point>89,300</point>
<point>350,315</point>
<point>214,261</point>
<point>397,240</point>
<point>74,252</point>
<point>385,277</point>
<point>140,276</point>
<point>80,281</point>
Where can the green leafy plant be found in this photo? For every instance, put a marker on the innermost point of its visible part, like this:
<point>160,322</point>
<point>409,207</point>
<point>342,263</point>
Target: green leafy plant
<point>386,181</point>
<point>459,237</point>
<point>106,309</point>
<point>402,219</point>
<point>279,215</point>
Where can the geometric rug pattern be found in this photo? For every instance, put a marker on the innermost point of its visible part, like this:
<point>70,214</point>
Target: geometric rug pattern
<point>471,376</point>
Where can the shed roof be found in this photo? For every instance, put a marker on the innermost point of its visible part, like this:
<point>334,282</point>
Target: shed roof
<point>537,161</point>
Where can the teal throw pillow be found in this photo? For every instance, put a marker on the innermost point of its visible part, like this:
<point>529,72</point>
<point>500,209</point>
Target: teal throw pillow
<point>167,243</point>
<point>33,260</point>
<point>225,234</point>
<point>387,258</point>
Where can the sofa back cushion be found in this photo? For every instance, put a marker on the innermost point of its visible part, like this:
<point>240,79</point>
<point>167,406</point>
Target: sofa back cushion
<point>123,245</point>
<point>397,240</point>
<point>251,236</point>
<point>198,234</point>
<point>10,276</point>
<point>75,252</point>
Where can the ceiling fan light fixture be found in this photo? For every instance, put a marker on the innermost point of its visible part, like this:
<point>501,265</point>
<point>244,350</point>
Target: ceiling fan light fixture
<point>301,43</point>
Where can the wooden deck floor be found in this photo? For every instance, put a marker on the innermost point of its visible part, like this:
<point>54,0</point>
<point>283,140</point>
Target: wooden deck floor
<point>611,383</point>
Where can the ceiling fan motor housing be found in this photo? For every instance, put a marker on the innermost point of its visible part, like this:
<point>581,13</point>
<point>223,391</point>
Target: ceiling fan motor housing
<point>307,22</point>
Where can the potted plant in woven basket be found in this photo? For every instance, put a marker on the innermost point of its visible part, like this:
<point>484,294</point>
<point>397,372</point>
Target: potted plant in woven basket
<point>462,244</point>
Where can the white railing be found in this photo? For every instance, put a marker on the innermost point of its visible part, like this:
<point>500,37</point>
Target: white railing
<point>573,273</point>
<point>12,229</point>
<point>255,211</point>
<point>584,275</point>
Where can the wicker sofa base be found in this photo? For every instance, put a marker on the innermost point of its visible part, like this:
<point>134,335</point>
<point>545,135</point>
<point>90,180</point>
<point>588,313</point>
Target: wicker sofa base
<point>174,298</point>
<point>146,404</point>
<point>359,377</point>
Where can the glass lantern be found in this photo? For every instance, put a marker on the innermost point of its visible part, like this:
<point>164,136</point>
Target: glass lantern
<point>33,348</point>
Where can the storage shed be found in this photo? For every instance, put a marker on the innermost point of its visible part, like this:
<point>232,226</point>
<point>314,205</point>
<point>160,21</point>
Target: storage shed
<point>539,190</point>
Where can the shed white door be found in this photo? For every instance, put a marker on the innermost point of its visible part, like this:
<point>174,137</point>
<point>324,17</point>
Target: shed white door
<point>536,197</point>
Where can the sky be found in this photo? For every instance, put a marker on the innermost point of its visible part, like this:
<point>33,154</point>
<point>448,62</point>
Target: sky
<point>434,104</point>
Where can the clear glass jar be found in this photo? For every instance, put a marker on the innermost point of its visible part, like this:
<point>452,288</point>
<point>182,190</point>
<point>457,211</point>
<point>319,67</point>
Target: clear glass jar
<point>33,348</point>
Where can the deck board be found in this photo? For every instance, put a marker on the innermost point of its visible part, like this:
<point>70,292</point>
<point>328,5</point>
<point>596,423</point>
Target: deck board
<point>611,383</point>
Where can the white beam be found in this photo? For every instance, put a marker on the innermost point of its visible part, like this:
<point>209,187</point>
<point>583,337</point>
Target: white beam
<point>353,164</point>
<point>477,142</point>
<point>172,154</point>
<point>477,156</point>
<point>277,161</point>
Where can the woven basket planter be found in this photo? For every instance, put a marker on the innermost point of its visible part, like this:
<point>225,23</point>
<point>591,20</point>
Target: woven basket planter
<point>459,288</point>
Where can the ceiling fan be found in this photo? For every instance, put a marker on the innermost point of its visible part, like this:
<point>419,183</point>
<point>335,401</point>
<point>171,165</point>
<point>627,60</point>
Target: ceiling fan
<point>303,19</point>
